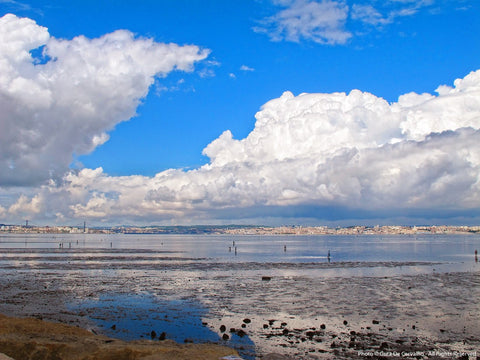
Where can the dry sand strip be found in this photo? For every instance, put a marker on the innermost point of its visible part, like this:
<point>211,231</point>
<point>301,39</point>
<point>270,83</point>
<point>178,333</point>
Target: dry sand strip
<point>29,338</point>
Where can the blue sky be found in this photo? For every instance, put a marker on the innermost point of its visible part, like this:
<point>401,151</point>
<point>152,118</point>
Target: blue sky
<point>257,50</point>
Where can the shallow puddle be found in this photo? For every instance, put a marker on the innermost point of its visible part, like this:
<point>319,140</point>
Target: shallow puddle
<point>145,316</point>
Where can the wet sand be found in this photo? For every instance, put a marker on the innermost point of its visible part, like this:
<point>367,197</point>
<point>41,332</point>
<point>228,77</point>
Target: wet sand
<point>29,338</point>
<point>259,309</point>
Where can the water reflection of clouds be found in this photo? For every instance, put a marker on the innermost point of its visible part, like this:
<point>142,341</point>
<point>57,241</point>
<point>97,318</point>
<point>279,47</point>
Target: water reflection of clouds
<point>143,315</point>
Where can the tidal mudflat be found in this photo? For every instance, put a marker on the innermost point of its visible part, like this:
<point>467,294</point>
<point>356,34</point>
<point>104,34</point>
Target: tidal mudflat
<point>425,308</point>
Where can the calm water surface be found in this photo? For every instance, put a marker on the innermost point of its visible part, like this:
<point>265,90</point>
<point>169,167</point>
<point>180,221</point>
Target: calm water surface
<point>454,252</point>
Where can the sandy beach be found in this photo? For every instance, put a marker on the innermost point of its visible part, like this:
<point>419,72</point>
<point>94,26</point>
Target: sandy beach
<point>260,309</point>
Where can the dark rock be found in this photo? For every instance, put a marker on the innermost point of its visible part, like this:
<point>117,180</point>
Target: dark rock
<point>113,327</point>
<point>333,345</point>
<point>241,333</point>
<point>244,326</point>
<point>284,324</point>
<point>375,322</point>
<point>153,334</point>
<point>225,337</point>
<point>345,322</point>
<point>353,332</point>
<point>265,326</point>
<point>271,322</point>
<point>275,357</point>
<point>162,336</point>
<point>442,330</point>
<point>247,321</point>
<point>222,328</point>
<point>285,331</point>
<point>323,327</point>
<point>266,278</point>
<point>232,330</point>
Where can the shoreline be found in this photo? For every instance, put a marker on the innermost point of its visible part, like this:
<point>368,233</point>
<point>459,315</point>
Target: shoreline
<point>25,338</point>
<point>294,316</point>
<point>259,230</point>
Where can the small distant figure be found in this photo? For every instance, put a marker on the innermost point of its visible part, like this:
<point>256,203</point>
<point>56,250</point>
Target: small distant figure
<point>111,245</point>
<point>328,256</point>
<point>233,243</point>
<point>235,250</point>
<point>476,255</point>
<point>284,248</point>
<point>229,249</point>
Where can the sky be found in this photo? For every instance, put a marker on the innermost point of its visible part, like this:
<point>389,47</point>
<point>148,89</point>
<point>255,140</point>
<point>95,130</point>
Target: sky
<point>305,112</point>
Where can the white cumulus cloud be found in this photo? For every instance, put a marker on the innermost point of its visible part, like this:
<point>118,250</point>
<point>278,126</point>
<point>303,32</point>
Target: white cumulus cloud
<point>65,102</point>
<point>324,156</point>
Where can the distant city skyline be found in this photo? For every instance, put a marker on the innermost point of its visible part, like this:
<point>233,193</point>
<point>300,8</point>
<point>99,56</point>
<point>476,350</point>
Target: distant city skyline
<point>313,112</point>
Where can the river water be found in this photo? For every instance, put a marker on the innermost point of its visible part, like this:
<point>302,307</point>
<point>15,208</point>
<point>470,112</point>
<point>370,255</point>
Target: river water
<point>421,252</point>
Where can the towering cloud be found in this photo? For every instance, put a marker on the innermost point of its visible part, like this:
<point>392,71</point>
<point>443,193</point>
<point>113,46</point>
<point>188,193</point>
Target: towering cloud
<point>311,155</point>
<point>64,100</point>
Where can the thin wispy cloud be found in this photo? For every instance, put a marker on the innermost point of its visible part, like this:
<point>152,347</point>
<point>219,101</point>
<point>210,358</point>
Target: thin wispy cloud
<point>246,68</point>
<point>329,22</point>
<point>322,22</point>
<point>16,5</point>
<point>369,15</point>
